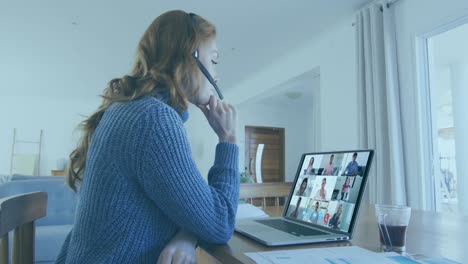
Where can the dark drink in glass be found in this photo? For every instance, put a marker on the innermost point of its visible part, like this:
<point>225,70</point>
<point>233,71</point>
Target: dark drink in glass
<point>396,237</point>
<point>392,221</point>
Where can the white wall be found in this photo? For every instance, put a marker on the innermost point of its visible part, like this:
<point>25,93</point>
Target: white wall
<point>416,18</point>
<point>335,53</point>
<point>203,140</point>
<point>58,118</point>
<point>293,119</point>
<point>52,72</point>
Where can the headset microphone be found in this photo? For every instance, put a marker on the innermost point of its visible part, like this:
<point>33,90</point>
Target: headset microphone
<point>207,74</point>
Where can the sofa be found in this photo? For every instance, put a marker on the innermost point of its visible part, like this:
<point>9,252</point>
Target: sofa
<point>51,230</point>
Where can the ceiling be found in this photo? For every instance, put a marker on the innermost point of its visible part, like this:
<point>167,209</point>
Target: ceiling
<point>297,92</point>
<point>72,48</point>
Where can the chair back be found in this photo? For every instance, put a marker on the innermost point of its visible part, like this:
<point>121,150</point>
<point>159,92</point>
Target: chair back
<point>18,213</point>
<point>265,190</point>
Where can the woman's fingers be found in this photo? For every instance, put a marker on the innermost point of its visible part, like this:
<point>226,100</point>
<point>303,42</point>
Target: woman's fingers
<point>165,257</point>
<point>213,102</point>
<point>222,117</point>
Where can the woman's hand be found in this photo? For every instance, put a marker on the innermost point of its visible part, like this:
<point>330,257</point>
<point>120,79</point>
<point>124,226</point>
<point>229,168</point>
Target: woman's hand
<point>180,250</point>
<point>222,117</point>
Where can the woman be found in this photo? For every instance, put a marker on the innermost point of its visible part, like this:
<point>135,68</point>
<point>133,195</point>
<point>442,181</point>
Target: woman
<point>345,189</point>
<point>295,212</point>
<point>335,221</point>
<point>330,167</point>
<point>302,188</point>
<point>322,193</point>
<point>141,194</point>
<point>310,170</point>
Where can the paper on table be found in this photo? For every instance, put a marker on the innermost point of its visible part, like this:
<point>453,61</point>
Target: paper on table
<point>330,255</point>
<point>440,260</point>
<point>248,211</point>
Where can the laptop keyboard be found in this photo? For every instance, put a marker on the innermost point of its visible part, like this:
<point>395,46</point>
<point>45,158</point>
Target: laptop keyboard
<point>291,228</point>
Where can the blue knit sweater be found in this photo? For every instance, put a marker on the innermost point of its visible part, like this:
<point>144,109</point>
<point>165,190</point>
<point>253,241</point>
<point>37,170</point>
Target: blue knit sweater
<point>141,186</point>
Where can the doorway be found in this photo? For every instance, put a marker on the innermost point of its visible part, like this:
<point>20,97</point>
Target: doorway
<point>445,65</point>
<point>267,165</point>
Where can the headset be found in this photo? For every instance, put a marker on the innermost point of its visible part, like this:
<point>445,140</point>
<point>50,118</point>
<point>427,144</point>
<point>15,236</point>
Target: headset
<point>202,68</point>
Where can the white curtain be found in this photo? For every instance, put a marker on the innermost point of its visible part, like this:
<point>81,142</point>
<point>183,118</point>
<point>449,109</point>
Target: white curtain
<point>379,103</point>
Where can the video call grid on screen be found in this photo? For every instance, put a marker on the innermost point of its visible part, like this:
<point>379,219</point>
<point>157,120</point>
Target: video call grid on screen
<point>327,188</point>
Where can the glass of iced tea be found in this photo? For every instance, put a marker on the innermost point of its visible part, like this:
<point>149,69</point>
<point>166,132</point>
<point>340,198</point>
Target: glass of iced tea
<point>392,221</point>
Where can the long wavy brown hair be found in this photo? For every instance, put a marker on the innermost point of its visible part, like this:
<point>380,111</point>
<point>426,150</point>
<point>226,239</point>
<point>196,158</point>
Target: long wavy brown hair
<point>163,65</point>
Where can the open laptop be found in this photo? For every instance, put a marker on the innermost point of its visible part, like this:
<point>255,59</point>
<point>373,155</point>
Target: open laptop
<point>323,202</point>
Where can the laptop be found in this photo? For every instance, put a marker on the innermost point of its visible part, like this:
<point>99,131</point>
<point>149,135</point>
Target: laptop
<point>323,203</point>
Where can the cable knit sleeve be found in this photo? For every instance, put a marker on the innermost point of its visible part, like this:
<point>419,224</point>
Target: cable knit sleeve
<point>171,179</point>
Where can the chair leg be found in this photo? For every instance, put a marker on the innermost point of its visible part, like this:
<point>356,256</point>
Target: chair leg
<point>4,249</point>
<point>23,244</point>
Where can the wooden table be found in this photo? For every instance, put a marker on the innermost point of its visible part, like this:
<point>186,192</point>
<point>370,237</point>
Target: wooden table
<point>429,234</point>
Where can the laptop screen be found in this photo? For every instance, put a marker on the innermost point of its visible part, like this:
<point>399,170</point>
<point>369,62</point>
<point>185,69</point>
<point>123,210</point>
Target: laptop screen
<point>329,187</point>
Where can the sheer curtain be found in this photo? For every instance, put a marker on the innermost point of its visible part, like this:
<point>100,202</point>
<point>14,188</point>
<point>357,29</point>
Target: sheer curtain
<point>379,105</point>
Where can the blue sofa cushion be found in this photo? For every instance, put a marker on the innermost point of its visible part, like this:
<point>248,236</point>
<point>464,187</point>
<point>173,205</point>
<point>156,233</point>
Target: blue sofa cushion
<point>20,177</point>
<point>61,200</point>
